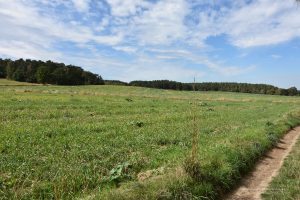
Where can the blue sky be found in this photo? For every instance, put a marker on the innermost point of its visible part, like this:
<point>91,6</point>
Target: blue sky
<point>256,41</point>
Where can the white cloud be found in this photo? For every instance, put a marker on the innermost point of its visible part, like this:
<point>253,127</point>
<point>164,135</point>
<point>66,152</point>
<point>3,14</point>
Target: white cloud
<point>82,5</point>
<point>28,20</point>
<point>142,68</point>
<point>219,67</point>
<point>147,68</point>
<point>169,51</point>
<point>257,23</point>
<point>126,49</point>
<point>163,57</point>
<point>160,72</point>
<point>146,23</point>
<point>214,65</point>
<point>162,24</point>
<point>18,49</point>
<point>261,22</point>
<point>276,56</point>
<point>264,22</point>
<point>122,8</point>
<point>153,33</point>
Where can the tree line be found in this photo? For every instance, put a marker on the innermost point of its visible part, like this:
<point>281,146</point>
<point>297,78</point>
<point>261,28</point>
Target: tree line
<point>37,71</point>
<point>218,86</point>
<point>115,82</point>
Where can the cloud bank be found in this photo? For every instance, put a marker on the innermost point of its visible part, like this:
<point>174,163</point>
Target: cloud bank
<point>143,39</point>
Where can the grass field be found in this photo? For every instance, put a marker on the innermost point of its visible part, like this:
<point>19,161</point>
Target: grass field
<point>286,185</point>
<point>63,142</point>
<point>5,82</point>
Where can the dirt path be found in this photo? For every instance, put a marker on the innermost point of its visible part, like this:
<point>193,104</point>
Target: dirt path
<point>253,185</point>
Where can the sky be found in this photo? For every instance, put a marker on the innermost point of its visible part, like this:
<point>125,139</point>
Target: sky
<point>254,41</point>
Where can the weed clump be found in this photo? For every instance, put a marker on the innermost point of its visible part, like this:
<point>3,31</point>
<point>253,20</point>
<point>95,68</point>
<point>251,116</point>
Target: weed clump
<point>258,148</point>
<point>136,123</point>
<point>269,124</point>
<point>193,169</point>
<point>119,173</point>
<point>271,133</point>
<point>273,139</point>
<point>166,141</point>
<point>203,104</point>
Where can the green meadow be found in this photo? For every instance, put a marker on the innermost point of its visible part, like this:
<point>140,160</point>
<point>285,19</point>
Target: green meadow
<point>121,142</point>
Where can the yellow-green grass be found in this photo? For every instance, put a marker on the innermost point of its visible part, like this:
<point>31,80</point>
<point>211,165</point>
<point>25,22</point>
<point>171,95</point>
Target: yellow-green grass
<point>6,82</point>
<point>286,186</point>
<point>59,142</point>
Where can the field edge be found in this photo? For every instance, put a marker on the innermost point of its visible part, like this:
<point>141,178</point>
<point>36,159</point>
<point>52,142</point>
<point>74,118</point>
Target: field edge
<point>287,182</point>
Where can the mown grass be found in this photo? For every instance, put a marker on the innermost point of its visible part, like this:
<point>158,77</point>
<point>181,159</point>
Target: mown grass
<point>61,142</point>
<point>286,185</point>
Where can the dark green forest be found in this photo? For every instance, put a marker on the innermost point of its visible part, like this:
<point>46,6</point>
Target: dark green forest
<point>48,72</point>
<point>218,86</point>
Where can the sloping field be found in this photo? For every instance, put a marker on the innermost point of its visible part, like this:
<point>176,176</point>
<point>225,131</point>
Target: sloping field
<point>114,142</point>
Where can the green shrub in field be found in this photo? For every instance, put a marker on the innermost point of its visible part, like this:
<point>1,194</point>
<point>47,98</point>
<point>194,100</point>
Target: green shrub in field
<point>119,173</point>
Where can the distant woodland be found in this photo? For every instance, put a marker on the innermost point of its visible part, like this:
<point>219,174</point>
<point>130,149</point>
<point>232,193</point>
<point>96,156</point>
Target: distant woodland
<point>49,72</point>
<point>227,87</point>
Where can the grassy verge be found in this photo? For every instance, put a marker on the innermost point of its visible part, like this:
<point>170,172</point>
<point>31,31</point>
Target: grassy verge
<point>287,184</point>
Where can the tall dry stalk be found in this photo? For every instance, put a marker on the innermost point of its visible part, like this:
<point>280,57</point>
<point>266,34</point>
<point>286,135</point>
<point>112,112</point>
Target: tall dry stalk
<point>192,165</point>
<point>195,127</point>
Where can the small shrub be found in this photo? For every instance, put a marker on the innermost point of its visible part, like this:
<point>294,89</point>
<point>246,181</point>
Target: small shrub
<point>269,124</point>
<point>119,173</point>
<point>137,123</point>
